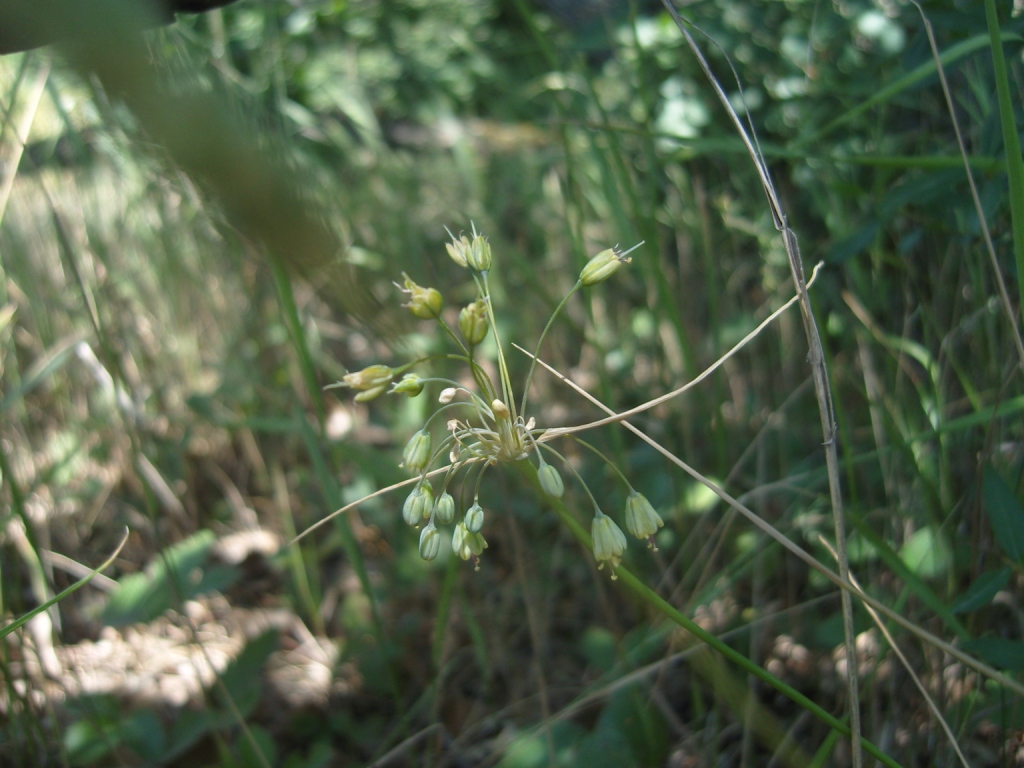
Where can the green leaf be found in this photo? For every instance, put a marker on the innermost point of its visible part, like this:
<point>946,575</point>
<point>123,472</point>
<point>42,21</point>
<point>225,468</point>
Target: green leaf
<point>927,554</point>
<point>145,734</point>
<point>242,678</point>
<point>177,575</point>
<point>999,652</point>
<point>981,591</point>
<point>87,741</point>
<point>7,629</point>
<point>1004,514</point>
<point>264,743</point>
<point>599,648</point>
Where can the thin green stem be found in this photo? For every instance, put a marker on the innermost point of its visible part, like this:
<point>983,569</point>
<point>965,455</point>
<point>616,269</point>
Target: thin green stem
<point>506,382</point>
<point>544,333</point>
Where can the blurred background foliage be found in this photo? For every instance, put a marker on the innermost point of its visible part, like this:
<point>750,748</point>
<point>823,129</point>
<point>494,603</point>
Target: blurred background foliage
<point>161,371</point>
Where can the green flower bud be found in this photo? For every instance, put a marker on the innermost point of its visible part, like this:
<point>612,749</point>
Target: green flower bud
<point>500,410</point>
<point>410,385</point>
<point>430,542</point>
<point>444,510</point>
<point>474,518</point>
<point>417,451</point>
<point>551,481</point>
<point>601,267</point>
<point>467,544</point>
<point>418,503</point>
<point>605,264</point>
<point>425,303</point>
<point>641,518</point>
<point>473,321</point>
<point>609,541</point>
<point>458,249</point>
<point>479,255</point>
<point>370,394</point>
<point>372,378</point>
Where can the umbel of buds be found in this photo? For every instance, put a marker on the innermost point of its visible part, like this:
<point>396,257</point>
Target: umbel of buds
<point>484,426</point>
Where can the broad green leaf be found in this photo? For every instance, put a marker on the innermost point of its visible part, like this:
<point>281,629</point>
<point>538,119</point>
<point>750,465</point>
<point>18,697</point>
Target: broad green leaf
<point>999,652</point>
<point>981,591</point>
<point>1004,515</point>
<point>242,679</point>
<point>177,575</point>
<point>927,554</point>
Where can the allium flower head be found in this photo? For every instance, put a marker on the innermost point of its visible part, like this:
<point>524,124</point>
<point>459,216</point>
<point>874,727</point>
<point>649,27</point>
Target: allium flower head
<point>467,544</point>
<point>551,481</point>
<point>445,508</point>
<point>417,451</point>
<point>424,303</point>
<point>457,249</point>
<point>605,264</point>
<point>641,518</point>
<point>418,504</point>
<point>473,321</point>
<point>479,255</point>
<point>410,385</point>
<point>474,518</point>
<point>609,541</point>
<point>371,381</point>
<point>430,542</point>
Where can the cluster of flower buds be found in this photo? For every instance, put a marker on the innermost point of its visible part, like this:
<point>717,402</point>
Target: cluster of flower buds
<point>494,431</point>
<point>472,254</point>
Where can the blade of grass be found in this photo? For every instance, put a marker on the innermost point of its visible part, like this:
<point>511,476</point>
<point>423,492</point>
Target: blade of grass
<point>1011,140</point>
<point>819,370</point>
<point>21,620</point>
<point>912,78</point>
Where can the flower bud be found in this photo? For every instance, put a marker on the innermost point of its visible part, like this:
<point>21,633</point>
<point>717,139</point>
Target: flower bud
<point>417,504</point>
<point>467,544</point>
<point>447,395</point>
<point>444,509</point>
<point>479,255</point>
<point>370,378</point>
<point>410,385</point>
<point>424,303</point>
<point>500,410</point>
<point>609,541</point>
<point>603,266</point>
<point>474,518</point>
<point>551,481</point>
<point>370,394</point>
<point>458,249</point>
<point>641,519</point>
<point>473,321</point>
<point>430,542</point>
<point>417,451</point>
